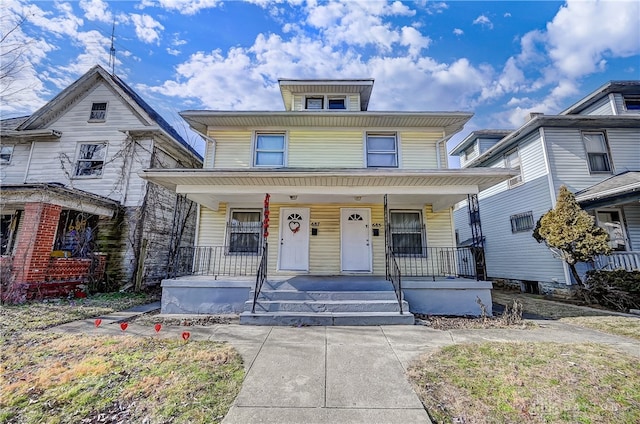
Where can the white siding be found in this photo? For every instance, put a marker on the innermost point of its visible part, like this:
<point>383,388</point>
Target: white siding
<point>354,102</point>
<point>418,150</point>
<point>13,173</point>
<point>601,107</point>
<point>471,152</point>
<point>486,143</point>
<point>625,149</point>
<point>233,149</point>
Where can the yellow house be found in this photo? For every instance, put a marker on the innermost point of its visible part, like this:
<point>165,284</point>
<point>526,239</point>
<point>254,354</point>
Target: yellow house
<point>325,196</point>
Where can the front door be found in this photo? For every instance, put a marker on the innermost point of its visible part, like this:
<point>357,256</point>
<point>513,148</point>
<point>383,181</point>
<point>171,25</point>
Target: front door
<point>294,239</point>
<point>355,243</point>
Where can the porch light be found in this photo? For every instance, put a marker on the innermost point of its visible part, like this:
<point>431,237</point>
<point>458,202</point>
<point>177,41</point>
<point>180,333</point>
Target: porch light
<point>293,197</point>
<point>357,198</point>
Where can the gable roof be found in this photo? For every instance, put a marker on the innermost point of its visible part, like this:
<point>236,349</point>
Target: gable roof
<point>623,87</point>
<point>142,108</point>
<point>620,188</point>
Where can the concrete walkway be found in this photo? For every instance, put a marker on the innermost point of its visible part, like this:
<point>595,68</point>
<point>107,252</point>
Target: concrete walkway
<point>340,374</point>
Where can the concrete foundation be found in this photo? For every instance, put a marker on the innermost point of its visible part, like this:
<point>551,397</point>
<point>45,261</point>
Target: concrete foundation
<point>191,295</point>
<point>454,296</point>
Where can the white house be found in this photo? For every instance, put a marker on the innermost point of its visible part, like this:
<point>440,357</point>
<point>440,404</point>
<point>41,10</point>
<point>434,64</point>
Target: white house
<point>593,148</point>
<point>320,212</point>
<point>74,209</point>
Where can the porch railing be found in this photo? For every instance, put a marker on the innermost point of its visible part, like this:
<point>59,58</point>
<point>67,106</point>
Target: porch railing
<point>261,276</point>
<point>435,261</point>
<point>619,260</point>
<point>394,275</point>
<point>216,261</point>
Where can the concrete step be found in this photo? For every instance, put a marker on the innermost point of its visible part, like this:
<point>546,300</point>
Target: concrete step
<point>275,295</point>
<point>310,306</point>
<point>326,318</point>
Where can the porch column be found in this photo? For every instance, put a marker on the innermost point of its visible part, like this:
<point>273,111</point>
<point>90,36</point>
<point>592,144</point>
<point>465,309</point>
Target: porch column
<point>35,242</point>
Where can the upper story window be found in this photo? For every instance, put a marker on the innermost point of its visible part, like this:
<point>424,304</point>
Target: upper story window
<point>6,152</point>
<point>382,150</point>
<point>512,160</point>
<point>595,144</point>
<point>407,232</point>
<point>90,159</point>
<point>336,103</point>
<point>98,112</point>
<point>314,103</point>
<point>243,232</point>
<point>470,153</point>
<point>270,149</point>
<point>632,103</point>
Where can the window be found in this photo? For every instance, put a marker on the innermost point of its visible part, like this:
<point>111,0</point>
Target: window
<point>512,160</point>
<point>632,103</point>
<point>470,153</point>
<point>314,103</point>
<point>98,112</point>
<point>597,152</point>
<point>407,235</point>
<point>337,103</point>
<point>244,232</point>
<point>382,150</point>
<point>522,222</point>
<point>90,161</point>
<point>76,233</point>
<point>9,226</point>
<point>5,154</point>
<point>270,149</point>
<point>610,221</point>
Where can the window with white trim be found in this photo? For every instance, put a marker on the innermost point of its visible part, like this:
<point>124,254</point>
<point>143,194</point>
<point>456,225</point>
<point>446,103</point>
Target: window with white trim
<point>632,103</point>
<point>522,222</point>
<point>270,149</point>
<point>98,112</point>
<point>336,103</point>
<point>382,150</point>
<point>595,144</point>
<point>407,232</point>
<point>512,160</point>
<point>90,159</point>
<point>6,152</point>
<point>244,232</point>
<point>314,103</point>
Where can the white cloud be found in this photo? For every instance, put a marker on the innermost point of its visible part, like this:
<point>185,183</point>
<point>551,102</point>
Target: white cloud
<point>96,10</point>
<point>483,21</point>
<point>147,28</point>
<point>583,34</point>
<point>186,7</point>
<point>507,15</point>
<point>458,31</point>
<point>173,52</point>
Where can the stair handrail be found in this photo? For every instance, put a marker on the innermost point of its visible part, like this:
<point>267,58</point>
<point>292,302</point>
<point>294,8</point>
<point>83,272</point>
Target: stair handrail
<point>261,276</point>
<point>393,275</point>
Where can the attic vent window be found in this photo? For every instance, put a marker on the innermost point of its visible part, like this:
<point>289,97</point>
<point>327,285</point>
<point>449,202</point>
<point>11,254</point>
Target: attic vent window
<point>314,103</point>
<point>98,112</point>
<point>632,103</point>
<point>337,103</point>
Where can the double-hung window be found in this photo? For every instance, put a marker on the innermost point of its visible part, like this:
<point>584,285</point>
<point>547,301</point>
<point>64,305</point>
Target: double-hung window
<point>98,112</point>
<point>512,160</point>
<point>5,154</point>
<point>382,150</point>
<point>270,149</point>
<point>90,159</point>
<point>407,233</point>
<point>597,152</point>
<point>244,231</point>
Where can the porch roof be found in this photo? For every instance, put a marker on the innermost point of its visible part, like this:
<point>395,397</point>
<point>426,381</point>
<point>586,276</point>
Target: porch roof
<point>616,190</point>
<point>16,195</point>
<point>440,187</point>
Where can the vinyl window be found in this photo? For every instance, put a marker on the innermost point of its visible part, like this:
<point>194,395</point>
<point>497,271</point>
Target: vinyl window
<point>407,233</point>
<point>314,103</point>
<point>597,152</point>
<point>512,160</point>
<point>6,152</point>
<point>382,150</point>
<point>522,222</point>
<point>244,232</point>
<point>98,112</point>
<point>270,149</point>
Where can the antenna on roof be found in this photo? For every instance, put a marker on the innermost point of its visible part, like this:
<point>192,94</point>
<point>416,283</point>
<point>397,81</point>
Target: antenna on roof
<point>112,51</point>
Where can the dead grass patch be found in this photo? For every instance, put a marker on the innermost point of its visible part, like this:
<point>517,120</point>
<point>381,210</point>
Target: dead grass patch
<point>50,378</point>
<point>529,383</point>
<point>538,305</point>
<point>620,326</point>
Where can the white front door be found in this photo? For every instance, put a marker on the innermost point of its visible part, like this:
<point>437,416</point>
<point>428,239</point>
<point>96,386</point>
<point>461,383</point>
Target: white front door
<point>294,239</point>
<point>355,242</point>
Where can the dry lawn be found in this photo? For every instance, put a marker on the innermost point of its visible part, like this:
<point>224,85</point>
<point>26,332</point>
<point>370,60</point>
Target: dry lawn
<point>620,326</point>
<point>529,383</point>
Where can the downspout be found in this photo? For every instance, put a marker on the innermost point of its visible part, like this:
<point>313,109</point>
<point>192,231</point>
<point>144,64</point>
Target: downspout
<point>26,171</point>
<point>439,151</point>
<point>213,150</point>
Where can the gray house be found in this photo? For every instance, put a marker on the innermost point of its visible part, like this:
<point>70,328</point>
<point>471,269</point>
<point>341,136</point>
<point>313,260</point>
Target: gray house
<point>74,209</point>
<point>593,148</point>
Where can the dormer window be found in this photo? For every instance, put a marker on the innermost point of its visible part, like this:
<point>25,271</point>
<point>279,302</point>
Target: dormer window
<point>632,103</point>
<point>337,103</point>
<point>314,103</point>
<point>98,112</point>
<point>512,160</point>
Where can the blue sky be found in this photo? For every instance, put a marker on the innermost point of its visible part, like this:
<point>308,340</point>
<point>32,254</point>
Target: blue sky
<point>499,60</point>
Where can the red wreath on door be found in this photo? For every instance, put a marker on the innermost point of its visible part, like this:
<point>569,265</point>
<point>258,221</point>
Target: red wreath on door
<point>294,226</point>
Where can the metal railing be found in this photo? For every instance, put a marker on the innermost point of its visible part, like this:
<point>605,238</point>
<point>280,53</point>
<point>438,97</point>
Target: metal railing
<point>261,276</point>
<point>619,260</point>
<point>394,275</point>
<point>216,261</point>
<point>435,261</point>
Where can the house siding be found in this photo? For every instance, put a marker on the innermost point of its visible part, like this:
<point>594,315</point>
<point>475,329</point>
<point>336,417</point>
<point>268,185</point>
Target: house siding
<point>326,149</point>
<point>418,150</point>
<point>233,149</point>
<point>601,107</point>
